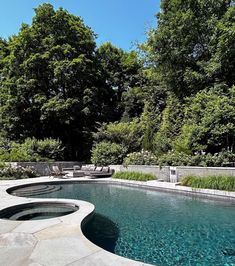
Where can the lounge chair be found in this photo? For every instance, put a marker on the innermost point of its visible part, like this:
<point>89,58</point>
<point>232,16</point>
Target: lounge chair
<point>88,170</point>
<point>101,172</point>
<point>56,172</point>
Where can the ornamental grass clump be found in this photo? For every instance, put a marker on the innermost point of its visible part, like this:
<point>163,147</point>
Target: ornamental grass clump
<point>211,182</point>
<point>134,176</point>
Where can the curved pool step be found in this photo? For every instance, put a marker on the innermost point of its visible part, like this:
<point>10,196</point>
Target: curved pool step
<point>35,190</point>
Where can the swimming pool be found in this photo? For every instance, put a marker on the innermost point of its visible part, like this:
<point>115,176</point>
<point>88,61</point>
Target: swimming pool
<point>37,211</point>
<point>154,227</point>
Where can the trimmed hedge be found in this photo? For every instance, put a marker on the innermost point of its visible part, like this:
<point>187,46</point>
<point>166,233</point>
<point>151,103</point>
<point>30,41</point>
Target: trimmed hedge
<point>211,182</point>
<point>134,176</point>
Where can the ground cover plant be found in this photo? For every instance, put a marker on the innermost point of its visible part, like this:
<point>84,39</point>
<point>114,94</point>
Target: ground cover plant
<point>16,172</point>
<point>211,182</point>
<point>134,176</point>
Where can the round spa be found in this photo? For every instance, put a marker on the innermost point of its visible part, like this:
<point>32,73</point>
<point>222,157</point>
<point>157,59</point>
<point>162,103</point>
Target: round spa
<point>37,211</point>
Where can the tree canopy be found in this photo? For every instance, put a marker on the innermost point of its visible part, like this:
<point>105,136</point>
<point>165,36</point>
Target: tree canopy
<point>176,96</point>
<point>54,82</point>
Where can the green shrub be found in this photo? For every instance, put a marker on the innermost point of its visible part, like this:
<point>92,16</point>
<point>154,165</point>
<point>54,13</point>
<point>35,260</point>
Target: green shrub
<point>223,158</point>
<point>106,153</point>
<point>134,176</point>
<point>18,172</point>
<point>50,148</point>
<point>175,158</point>
<point>32,150</point>
<point>2,165</point>
<point>211,182</point>
<point>128,134</point>
<point>171,122</point>
<point>24,152</point>
<point>141,158</point>
<point>161,144</point>
<point>5,146</point>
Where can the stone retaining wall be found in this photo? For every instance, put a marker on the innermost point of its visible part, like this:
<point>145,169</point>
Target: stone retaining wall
<point>204,171</point>
<point>160,173</point>
<point>182,171</point>
<point>43,168</point>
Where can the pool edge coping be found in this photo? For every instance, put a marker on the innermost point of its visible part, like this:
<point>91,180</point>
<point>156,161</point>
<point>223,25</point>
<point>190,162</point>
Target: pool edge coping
<point>152,185</point>
<point>82,215</point>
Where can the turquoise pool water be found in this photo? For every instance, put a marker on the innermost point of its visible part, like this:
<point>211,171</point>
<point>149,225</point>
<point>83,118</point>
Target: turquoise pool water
<point>154,227</point>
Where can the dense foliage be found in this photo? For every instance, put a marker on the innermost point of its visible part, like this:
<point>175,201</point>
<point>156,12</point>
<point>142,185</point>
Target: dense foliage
<point>211,182</point>
<point>55,84</point>
<point>31,150</point>
<point>140,158</point>
<point>128,134</point>
<point>134,176</point>
<point>105,153</point>
<point>175,99</point>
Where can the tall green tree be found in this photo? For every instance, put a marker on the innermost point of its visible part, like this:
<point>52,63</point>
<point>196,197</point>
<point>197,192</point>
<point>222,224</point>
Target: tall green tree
<point>180,47</point>
<point>222,64</point>
<point>122,73</point>
<point>209,122</point>
<point>51,85</point>
<point>191,55</point>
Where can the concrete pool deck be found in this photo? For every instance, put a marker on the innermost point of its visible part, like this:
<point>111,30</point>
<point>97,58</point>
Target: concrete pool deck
<point>60,241</point>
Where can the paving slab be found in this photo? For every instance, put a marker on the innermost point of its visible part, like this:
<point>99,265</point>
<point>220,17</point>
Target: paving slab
<point>105,258</point>
<point>35,226</point>
<point>15,256</point>
<point>33,264</point>
<point>59,230</point>
<point>17,240</point>
<point>61,251</point>
<point>7,226</point>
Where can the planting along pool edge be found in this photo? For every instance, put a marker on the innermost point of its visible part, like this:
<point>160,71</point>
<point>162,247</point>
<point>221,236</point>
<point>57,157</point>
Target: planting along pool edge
<point>60,241</point>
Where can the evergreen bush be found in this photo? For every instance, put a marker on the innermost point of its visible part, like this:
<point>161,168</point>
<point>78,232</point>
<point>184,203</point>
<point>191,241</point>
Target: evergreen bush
<point>106,153</point>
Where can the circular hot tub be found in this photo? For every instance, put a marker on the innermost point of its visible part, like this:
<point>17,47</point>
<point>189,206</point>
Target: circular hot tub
<point>37,211</point>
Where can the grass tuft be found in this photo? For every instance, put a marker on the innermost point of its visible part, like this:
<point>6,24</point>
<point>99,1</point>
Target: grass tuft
<point>211,182</point>
<point>134,176</point>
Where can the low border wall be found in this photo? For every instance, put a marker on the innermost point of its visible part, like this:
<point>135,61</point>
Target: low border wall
<point>159,172</point>
<point>204,171</point>
<point>43,168</point>
<point>181,171</point>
